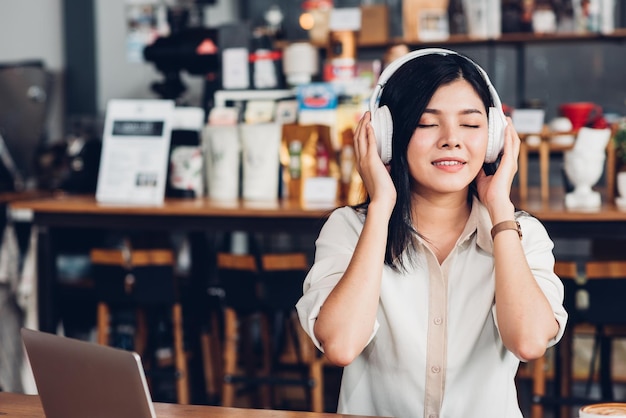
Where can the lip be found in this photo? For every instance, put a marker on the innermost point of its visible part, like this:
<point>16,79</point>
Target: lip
<point>454,161</point>
<point>449,164</point>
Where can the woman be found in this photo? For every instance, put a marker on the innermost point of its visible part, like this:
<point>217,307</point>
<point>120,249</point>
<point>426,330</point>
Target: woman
<point>427,311</point>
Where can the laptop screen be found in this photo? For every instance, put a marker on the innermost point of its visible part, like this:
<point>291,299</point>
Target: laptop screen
<point>77,379</point>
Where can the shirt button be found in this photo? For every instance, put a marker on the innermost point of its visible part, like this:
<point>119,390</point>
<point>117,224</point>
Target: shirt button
<point>438,321</point>
<point>435,369</point>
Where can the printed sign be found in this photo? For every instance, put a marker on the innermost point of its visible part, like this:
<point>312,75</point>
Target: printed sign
<point>135,151</point>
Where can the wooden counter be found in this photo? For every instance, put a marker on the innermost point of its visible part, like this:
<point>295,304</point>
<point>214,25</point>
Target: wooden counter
<point>54,215</point>
<point>202,215</point>
<point>607,221</point>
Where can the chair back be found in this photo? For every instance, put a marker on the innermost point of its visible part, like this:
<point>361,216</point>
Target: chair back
<point>606,288</point>
<point>129,277</point>
<point>238,277</point>
<point>282,278</point>
<point>277,285</point>
<point>568,273</point>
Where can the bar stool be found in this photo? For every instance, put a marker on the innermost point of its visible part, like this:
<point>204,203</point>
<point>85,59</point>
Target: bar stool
<point>557,360</point>
<point>268,295</point>
<point>606,287</point>
<point>595,306</point>
<point>140,281</point>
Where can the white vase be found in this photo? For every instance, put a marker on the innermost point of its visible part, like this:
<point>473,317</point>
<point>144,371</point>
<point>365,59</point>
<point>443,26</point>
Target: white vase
<point>620,199</point>
<point>621,183</point>
<point>583,170</point>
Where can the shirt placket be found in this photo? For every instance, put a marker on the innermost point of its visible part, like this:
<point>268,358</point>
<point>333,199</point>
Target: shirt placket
<point>436,339</point>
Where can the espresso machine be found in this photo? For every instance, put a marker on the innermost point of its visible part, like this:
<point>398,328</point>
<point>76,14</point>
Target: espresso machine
<point>24,90</point>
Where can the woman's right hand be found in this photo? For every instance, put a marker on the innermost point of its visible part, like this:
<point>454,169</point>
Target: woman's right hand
<point>374,173</point>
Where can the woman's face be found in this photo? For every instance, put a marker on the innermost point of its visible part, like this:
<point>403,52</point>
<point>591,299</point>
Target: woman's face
<point>447,150</point>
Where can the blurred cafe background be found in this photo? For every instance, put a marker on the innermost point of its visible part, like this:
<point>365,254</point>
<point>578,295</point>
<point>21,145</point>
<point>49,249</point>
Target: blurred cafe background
<point>263,98</point>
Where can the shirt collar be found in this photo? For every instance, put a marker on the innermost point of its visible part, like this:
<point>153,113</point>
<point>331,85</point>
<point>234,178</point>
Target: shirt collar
<point>478,222</point>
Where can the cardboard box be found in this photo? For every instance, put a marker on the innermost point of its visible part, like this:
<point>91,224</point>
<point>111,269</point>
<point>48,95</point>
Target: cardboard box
<point>425,20</point>
<point>374,25</point>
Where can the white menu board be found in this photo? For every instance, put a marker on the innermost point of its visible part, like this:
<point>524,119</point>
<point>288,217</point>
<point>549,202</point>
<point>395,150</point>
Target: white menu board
<point>135,151</point>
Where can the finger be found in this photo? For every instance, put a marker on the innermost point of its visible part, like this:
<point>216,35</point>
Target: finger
<point>361,134</point>
<point>514,138</point>
<point>371,138</point>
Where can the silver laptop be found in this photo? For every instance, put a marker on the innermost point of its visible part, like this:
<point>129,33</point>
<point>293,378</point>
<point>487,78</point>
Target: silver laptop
<point>78,379</point>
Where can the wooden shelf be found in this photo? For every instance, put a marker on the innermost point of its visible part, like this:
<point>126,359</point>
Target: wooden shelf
<point>506,38</point>
<point>512,38</point>
<point>547,147</point>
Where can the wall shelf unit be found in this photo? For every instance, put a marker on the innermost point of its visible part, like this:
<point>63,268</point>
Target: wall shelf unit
<point>506,38</point>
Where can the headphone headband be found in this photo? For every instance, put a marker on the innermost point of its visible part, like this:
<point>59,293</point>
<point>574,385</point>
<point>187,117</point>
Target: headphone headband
<point>399,62</point>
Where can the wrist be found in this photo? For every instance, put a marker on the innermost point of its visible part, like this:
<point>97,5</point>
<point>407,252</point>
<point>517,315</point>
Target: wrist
<point>506,226</point>
<point>501,212</point>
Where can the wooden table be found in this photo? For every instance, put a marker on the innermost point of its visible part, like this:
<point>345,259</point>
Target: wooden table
<point>545,148</point>
<point>14,405</point>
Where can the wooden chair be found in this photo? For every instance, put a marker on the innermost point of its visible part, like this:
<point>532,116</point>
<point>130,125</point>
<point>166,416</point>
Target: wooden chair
<point>557,360</point>
<point>141,281</point>
<point>211,351</point>
<point>267,295</point>
<point>595,306</point>
<point>606,287</point>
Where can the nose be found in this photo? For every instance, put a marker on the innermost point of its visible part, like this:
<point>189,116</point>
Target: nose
<point>449,137</point>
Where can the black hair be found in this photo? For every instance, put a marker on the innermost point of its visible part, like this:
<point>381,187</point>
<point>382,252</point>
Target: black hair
<point>407,93</point>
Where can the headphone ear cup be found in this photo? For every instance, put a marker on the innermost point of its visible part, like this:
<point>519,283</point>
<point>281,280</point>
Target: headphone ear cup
<point>497,124</point>
<point>383,129</point>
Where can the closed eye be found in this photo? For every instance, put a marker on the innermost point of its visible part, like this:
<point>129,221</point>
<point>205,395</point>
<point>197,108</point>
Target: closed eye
<point>424,125</point>
<point>471,126</point>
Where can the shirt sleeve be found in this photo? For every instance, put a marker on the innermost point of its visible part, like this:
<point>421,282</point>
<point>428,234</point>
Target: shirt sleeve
<point>333,251</point>
<point>538,249</point>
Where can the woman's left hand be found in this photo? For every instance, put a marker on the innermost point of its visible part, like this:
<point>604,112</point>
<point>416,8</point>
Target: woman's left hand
<point>495,190</point>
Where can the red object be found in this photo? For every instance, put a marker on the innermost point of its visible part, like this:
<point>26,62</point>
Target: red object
<point>581,114</point>
<point>206,47</point>
<point>322,161</point>
<point>265,55</point>
<point>317,4</point>
<point>600,124</point>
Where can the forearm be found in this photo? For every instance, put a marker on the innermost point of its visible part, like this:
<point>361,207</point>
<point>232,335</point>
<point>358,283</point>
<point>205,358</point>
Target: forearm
<point>346,320</point>
<point>525,317</point>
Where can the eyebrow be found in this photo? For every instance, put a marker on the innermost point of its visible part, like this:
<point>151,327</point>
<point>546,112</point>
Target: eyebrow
<point>463,112</point>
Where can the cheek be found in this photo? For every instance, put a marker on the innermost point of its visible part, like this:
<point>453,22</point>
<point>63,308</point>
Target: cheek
<point>477,142</point>
<point>419,145</point>
<point>417,158</point>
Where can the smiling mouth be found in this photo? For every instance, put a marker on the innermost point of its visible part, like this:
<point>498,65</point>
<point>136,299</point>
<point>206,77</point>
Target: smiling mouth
<point>448,163</point>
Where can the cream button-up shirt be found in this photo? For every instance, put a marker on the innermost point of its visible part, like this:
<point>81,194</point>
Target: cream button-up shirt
<point>435,350</point>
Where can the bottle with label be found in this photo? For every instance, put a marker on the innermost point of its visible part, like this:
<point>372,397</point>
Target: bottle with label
<point>295,168</point>
<point>322,158</point>
<point>295,163</point>
<point>346,166</point>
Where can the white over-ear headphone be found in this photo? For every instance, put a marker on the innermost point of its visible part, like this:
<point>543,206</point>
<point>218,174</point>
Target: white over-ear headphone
<point>381,116</point>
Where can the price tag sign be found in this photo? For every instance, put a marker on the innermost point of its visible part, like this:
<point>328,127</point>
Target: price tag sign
<point>135,151</point>
<point>528,121</point>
